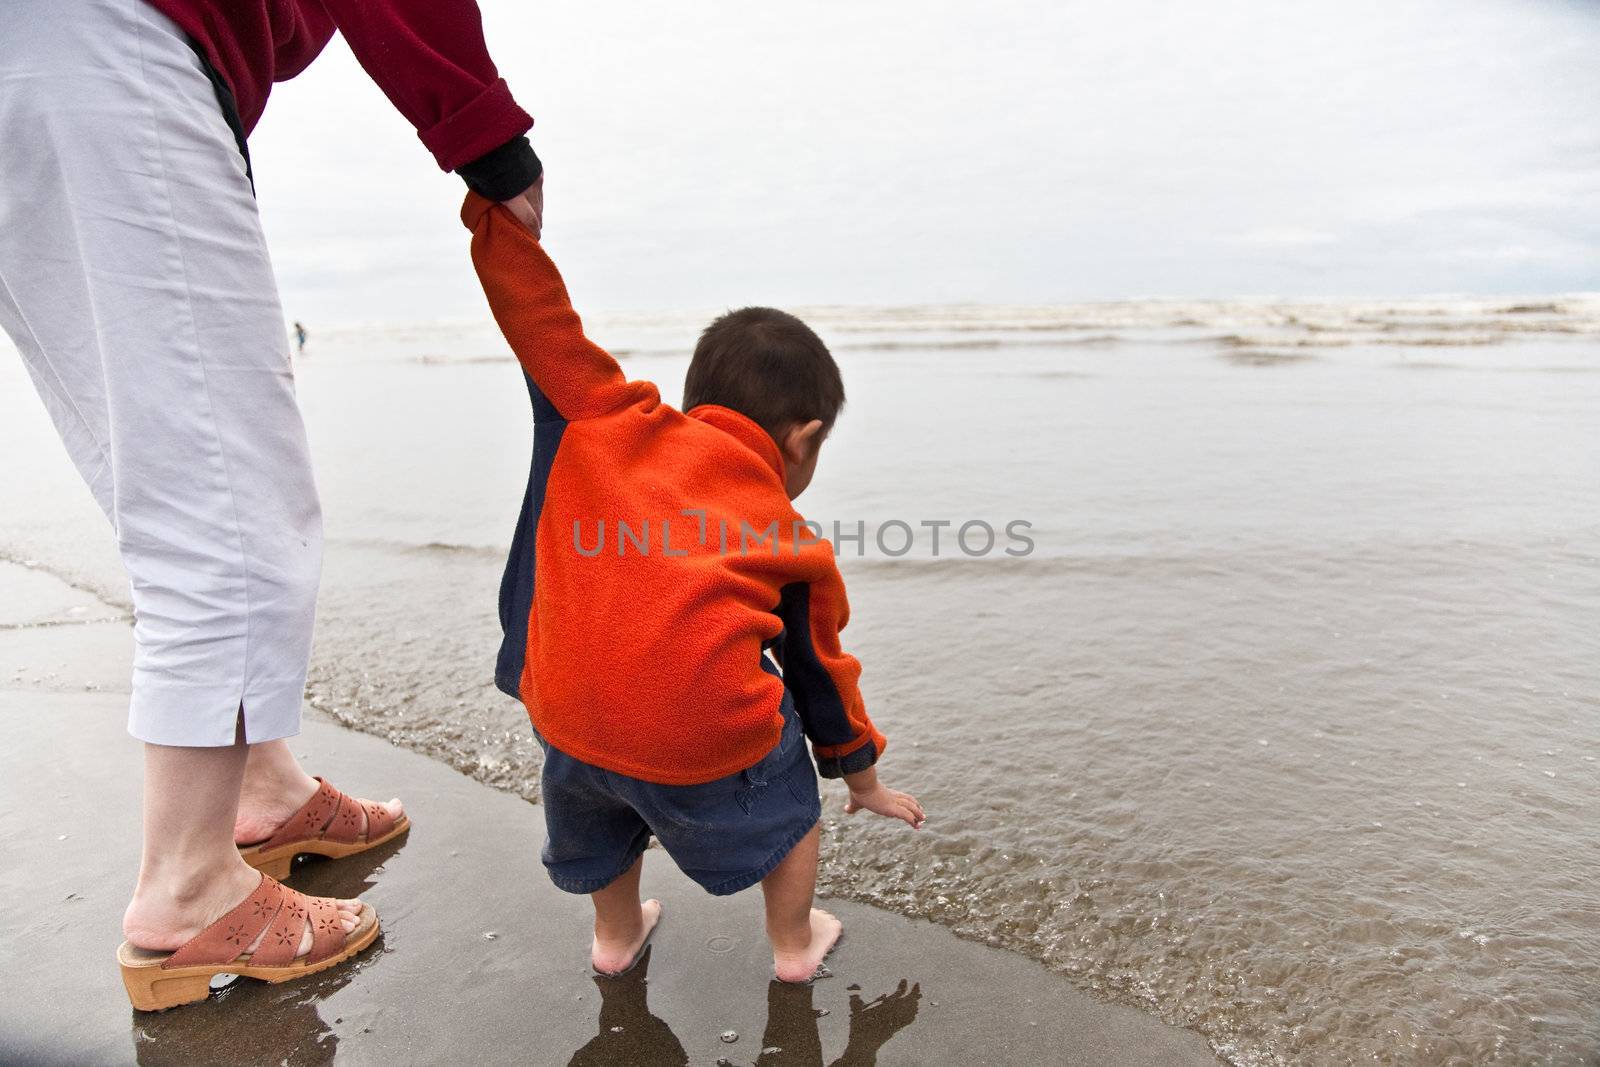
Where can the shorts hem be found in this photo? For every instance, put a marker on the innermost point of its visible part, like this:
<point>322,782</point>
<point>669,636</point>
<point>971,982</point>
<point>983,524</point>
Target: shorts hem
<point>585,886</point>
<point>746,879</point>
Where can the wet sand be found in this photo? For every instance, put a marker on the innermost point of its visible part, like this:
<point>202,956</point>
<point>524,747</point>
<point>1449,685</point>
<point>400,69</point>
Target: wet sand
<point>481,959</point>
<point>1286,733</point>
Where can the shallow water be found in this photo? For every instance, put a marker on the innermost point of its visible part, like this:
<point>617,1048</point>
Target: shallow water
<point>1288,728</point>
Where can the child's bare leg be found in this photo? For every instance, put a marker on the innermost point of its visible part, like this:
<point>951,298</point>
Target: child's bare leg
<point>621,923</point>
<point>801,935</point>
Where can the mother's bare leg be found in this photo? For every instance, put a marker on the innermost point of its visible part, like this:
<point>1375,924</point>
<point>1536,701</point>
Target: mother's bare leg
<point>191,873</point>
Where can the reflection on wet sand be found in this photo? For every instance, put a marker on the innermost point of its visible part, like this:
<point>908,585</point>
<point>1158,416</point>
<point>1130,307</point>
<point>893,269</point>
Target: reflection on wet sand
<point>631,1036</point>
<point>284,1025</point>
<point>791,1038</point>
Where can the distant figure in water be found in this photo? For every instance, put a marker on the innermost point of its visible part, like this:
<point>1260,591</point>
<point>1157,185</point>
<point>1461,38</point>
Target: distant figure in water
<point>300,338</point>
<point>648,679</point>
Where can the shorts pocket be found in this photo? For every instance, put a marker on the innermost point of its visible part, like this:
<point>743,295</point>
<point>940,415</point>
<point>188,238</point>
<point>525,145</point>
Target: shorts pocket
<point>803,786</point>
<point>773,764</point>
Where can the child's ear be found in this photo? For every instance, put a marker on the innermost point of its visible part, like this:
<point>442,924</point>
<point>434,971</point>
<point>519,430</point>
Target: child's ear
<point>800,440</point>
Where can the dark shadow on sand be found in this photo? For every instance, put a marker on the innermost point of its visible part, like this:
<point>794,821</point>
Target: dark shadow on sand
<point>254,1022</point>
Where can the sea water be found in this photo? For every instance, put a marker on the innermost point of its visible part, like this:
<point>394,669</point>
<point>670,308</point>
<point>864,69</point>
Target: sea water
<point>1286,728</point>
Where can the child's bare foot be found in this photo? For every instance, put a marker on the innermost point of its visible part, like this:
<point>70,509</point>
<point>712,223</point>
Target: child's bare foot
<point>617,947</point>
<point>799,963</point>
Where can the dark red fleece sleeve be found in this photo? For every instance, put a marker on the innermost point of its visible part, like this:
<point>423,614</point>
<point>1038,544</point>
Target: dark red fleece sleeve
<point>430,60</point>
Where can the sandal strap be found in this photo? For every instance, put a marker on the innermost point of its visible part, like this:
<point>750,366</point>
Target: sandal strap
<point>282,942</point>
<point>225,939</point>
<point>379,821</point>
<point>281,946</point>
<point>310,821</point>
<point>327,932</point>
<point>345,826</point>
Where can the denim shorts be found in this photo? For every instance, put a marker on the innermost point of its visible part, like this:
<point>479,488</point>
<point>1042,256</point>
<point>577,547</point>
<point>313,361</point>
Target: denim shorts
<point>726,834</point>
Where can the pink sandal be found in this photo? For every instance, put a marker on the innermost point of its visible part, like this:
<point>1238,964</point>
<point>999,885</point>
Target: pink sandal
<point>329,824</point>
<point>157,981</point>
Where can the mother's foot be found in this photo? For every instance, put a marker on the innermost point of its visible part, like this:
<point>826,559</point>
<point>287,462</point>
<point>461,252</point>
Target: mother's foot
<point>267,801</point>
<point>617,948</point>
<point>167,913</point>
<point>799,963</point>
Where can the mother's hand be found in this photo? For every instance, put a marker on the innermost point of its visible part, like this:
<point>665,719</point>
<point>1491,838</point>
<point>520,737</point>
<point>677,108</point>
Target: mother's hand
<point>528,206</point>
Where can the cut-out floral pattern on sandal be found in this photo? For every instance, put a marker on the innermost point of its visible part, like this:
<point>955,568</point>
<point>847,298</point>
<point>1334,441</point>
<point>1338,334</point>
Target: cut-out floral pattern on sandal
<point>329,824</point>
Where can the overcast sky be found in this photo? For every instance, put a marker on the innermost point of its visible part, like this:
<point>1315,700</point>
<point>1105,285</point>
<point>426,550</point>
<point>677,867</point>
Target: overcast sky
<point>857,152</point>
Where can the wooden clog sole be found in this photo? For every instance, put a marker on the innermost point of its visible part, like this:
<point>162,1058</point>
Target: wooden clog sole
<point>154,988</point>
<point>276,862</point>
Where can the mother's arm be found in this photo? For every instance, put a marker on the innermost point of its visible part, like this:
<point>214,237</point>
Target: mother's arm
<point>430,60</point>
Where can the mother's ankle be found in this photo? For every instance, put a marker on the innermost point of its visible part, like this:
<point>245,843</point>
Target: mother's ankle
<point>182,882</point>
<point>272,770</point>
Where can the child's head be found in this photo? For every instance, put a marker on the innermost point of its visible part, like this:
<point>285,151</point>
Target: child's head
<point>768,366</point>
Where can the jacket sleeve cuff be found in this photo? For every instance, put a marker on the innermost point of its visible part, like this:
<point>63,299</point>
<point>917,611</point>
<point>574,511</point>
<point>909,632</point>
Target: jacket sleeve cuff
<point>858,758</point>
<point>484,123</point>
<point>503,172</point>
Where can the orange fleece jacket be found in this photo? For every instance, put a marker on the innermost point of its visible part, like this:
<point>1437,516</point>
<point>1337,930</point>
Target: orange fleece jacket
<point>656,558</point>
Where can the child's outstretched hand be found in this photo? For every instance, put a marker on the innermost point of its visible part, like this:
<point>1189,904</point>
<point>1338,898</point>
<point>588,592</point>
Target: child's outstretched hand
<point>867,793</point>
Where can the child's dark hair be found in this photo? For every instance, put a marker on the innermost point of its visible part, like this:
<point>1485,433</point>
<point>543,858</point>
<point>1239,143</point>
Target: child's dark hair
<point>768,366</point>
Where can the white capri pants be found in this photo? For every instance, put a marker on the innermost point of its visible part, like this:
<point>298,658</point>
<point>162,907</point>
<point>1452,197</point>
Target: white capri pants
<point>135,280</point>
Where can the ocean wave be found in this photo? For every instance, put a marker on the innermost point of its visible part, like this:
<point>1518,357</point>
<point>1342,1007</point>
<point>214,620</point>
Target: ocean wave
<point>425,548</point>
<point>1329,340</point>
<point>108,598</point>
<point>1252,357</point>
<point>962,344</point>
<point>1534,309</point>
<point>1433,364</point>
<point>1263,324</point>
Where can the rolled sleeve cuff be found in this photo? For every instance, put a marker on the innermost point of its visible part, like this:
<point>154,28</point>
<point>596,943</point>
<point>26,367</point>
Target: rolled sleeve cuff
<point>836,761</point>
<point>503,172</point>
<point>483,124</point>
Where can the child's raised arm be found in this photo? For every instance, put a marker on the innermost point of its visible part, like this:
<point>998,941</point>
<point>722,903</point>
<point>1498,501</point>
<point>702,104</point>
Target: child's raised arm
<point>577,378</point>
